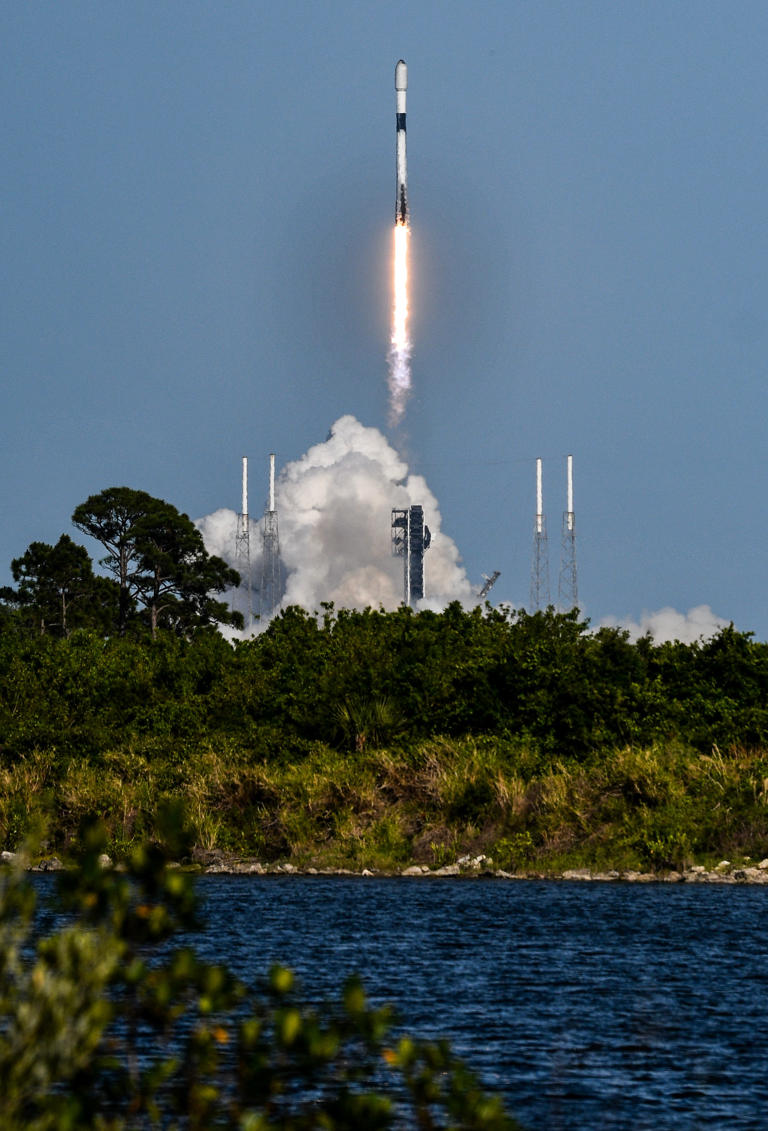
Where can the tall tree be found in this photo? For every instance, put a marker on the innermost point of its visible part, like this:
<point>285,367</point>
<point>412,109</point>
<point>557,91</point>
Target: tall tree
<point>159,560</point>
<point>57,586</point>
<point>110,517</point>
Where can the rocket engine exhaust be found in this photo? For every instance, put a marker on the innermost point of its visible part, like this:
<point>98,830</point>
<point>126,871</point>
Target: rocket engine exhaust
<point>400,345</point>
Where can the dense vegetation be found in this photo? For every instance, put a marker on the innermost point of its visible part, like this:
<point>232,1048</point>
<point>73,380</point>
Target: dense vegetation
<point>372,739</point>
<point>106,1025</point>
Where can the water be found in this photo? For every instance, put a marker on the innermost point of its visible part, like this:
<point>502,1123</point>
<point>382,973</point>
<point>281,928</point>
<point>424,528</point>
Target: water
<point>589,1005</point>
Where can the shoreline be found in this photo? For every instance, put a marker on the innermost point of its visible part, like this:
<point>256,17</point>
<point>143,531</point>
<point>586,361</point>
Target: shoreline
<point>215,863</point>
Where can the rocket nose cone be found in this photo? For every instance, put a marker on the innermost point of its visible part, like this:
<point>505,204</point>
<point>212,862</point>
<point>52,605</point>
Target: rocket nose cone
<point>401,76</point>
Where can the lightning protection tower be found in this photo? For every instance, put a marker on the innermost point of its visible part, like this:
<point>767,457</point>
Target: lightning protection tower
<point>410,538</point>
<point>540,564</point>
<point>568,589</point>
<point>243,547</point>
<point>271,589</point>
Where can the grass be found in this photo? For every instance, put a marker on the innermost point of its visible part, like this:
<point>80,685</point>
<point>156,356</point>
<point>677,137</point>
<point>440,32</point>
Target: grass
<point>649,809</point>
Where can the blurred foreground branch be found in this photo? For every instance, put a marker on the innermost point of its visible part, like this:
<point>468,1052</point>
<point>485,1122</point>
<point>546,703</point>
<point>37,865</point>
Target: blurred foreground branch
<point>105,1024</point>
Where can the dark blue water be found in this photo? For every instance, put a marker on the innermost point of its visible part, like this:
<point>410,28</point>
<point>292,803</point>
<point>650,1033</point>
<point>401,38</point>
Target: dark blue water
<point>589,1005</point>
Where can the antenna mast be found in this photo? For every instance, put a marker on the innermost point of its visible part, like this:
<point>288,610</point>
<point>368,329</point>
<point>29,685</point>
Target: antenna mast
<point>568,589</point>
<point>271,589</point>
<point>540,564</point>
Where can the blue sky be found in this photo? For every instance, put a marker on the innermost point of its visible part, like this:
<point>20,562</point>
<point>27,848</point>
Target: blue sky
<point>197,204</point>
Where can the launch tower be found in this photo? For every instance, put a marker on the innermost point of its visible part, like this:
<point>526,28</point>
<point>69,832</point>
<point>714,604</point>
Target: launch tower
<point>540,564</point>
<point>271,588</point>
<point>410,538</point>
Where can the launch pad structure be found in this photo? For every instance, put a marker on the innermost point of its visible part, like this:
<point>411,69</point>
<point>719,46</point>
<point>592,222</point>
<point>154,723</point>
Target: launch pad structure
<point>410,539</point>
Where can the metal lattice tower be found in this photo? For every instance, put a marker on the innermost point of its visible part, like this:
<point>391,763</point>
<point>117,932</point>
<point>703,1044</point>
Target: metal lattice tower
<point>243,548</point>
<point>568,588</point>
<point>271,588</point>
<point>540,564</point>
<point>410,538</point>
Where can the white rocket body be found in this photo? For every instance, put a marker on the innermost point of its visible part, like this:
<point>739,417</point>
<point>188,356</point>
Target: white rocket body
<point>401,199</point>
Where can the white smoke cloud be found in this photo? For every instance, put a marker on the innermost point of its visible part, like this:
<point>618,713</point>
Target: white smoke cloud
<point>668,624</point>
<point>334,507</point>
<point>219,530</point>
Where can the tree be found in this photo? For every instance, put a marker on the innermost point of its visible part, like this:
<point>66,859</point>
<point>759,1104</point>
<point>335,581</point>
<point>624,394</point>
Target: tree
<point>56,584</point>
<point>175,576</point>
<point>110,518</point>
<point>159,560</point>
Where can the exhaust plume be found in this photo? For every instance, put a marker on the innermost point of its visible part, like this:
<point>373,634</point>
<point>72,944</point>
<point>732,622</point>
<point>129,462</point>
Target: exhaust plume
<point>335,504</point>
<point>699,623</point>
<point>400,343</point>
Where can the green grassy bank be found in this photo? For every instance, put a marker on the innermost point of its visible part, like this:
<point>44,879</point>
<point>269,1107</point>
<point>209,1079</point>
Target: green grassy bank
<point>646,809</point>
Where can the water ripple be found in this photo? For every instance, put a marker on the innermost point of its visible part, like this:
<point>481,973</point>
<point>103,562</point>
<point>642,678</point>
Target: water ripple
<point>612,1006</point>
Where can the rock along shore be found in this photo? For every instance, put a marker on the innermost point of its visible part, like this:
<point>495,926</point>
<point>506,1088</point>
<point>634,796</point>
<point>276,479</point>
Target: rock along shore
<point>467,867</point>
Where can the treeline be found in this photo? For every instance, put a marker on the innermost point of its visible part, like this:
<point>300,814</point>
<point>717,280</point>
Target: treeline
<point>88,661</point>
<point>362,680</point>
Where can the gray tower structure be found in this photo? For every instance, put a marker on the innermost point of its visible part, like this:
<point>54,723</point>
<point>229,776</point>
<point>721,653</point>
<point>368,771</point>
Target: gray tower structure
<point>540,563</point>
<point>271,588</point>
<point>568,588</point>
<point>243,549</point>
<point>410,538</point>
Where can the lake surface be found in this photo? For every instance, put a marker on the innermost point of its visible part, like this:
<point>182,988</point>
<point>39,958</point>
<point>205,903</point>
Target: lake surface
<point>589,1005</point>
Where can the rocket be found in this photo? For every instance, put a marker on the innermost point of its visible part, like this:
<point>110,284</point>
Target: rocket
<point>401,199</point>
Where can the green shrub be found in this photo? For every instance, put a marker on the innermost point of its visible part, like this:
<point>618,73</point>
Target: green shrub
<point>105,1027</point>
